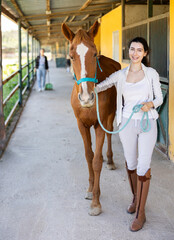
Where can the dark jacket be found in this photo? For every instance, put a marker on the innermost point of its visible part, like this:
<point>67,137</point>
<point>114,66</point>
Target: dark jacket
<point>46,62</point>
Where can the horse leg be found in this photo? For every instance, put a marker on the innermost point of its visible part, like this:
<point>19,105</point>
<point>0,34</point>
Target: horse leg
<point>97,166</point>
<point>110,162</point>
<point>85,132</point>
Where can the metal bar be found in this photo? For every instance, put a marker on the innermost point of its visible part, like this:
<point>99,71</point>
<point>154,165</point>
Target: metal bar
<point>10,77</point>
<point>31,62</point>
<point>19,60</point>
<point>23,66</point>
<point>23,79</point>
<point>150,8</point>
<point>11,113</point>
<point>2,124</point>
<point>123,12</point>
<point>146,21</point>
<point>28,83</point>
<point>32,58</point>
<point>11,94</point>
<point>24,90</point>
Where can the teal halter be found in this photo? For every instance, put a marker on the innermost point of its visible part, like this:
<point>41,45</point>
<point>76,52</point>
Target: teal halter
<point>94,80</point>
<point>135,109</point>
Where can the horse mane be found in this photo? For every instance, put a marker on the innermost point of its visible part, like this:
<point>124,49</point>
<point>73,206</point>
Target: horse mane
<point>81,35</point>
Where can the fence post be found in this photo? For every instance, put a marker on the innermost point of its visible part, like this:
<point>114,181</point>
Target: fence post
<point>2,124</point>
<point>19,60</point>
<point>28,68</point>
<point>32,58</point>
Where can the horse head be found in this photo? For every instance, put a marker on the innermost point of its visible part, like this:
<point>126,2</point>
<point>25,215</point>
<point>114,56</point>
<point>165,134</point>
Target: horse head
<point>83,55</point>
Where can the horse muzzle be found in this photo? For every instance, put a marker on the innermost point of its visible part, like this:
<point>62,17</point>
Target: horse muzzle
<point>87,101</point>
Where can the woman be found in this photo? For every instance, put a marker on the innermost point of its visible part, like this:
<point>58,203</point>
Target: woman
<point>137,84</point>
<point>41,66</point>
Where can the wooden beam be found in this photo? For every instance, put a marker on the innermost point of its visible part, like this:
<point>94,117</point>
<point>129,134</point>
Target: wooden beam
<point>53,28</point>
<point>85,5</point>
<point>11,16</point>
<point>65,13</point>
<point>8,14</point>
<point>85,17</point>
<point>48,5</point>
<point>72,18</point>
<point>37,33</point>
<point>64,21</point>
<point>57,24</point>
<point>104,3</point>
<point>52,35</point>
<point>48,11</point>
<point>20,12</point>
<point>44,33</point>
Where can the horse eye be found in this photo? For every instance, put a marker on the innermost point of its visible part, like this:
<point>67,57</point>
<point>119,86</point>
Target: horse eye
<point>95,55</point>
<point>71,57</point>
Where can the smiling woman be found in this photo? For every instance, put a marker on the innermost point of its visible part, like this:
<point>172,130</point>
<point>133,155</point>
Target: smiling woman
<point>137,84</point>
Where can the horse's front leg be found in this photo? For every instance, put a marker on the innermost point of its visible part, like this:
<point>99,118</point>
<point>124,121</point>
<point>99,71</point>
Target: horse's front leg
<point>110,162</point>
<point>97,166</point>
<point>86,135</point>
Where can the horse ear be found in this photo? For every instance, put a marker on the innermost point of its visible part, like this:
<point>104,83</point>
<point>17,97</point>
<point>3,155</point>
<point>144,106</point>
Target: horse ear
<point>94,29</point>
<point>67,32</point>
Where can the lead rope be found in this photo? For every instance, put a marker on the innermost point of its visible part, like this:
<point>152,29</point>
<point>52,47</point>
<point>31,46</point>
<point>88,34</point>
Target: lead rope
<point>135,109</point>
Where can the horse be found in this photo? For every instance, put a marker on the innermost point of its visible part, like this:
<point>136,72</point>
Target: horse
<point>83,54</point>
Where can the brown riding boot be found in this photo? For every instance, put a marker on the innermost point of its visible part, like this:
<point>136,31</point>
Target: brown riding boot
<point>132,176</point>
<point>142,192</point>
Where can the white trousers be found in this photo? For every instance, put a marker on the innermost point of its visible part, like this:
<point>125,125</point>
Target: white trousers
<point>138,145</point>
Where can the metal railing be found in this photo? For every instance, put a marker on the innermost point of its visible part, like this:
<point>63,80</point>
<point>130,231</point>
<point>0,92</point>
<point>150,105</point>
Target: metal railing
<point>22,88</point>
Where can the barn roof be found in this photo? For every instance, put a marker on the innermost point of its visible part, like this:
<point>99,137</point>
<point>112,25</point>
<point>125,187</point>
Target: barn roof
<point>43,18</point>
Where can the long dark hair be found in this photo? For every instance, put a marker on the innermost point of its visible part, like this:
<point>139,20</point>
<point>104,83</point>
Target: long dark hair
<point>143,41</point>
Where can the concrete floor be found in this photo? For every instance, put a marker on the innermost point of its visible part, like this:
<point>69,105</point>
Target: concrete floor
<point>44,178</point>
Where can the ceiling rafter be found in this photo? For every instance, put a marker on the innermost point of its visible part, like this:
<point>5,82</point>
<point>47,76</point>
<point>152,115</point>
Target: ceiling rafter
<point>65,19</point>
<point>85,17</point>
<point>53,35</point>
<point>57,24</point>
<point>46,26</point>
<point>8,14</point>
<point>48,12</point>
<point>53,28</point>
<point>20,12</point>
<point>85,5</point>
<point>73,17</point>
<point>65,13</point>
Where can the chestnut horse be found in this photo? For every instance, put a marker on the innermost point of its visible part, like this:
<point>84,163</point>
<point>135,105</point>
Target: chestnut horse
<point>83,55</point>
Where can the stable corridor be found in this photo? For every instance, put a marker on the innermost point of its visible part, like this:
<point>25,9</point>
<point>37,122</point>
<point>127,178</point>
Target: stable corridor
<point>44,177</point>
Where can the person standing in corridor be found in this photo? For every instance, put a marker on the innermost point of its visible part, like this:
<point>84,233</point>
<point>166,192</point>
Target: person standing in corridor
<point>42,68</point>
<point>137,84</point>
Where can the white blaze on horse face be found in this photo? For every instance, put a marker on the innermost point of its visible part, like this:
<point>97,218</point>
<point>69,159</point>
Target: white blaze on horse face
<point>81,51</point>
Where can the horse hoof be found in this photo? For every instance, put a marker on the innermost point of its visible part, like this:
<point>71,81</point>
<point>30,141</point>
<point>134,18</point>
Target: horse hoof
<point>111,166</point>
<point>89,196</point>
<point>95,211</point>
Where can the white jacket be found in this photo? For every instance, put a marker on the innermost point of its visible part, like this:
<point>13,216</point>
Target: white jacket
<point>118,79</point>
